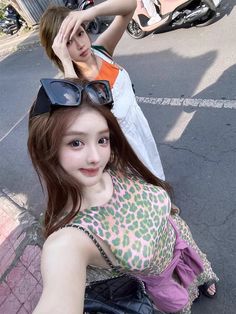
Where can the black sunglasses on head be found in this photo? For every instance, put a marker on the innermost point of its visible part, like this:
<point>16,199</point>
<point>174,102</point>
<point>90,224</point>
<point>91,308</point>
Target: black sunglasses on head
<point>56,93</point>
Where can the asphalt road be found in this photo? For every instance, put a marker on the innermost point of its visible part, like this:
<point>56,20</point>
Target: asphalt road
<point>196,139</point>
<point>191,63</point>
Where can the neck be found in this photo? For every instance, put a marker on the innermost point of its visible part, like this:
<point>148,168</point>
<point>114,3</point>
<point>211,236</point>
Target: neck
<point>90,68</point>
<point>98,194</point>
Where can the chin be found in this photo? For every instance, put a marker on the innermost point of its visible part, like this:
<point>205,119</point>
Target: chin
<point>89,181</point>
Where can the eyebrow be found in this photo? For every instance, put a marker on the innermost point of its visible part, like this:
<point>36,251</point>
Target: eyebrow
<point>73,133</point>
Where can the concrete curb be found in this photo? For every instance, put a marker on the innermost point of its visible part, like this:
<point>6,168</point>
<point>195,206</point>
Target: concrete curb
<point>22,42</point>
<point>18,48</point>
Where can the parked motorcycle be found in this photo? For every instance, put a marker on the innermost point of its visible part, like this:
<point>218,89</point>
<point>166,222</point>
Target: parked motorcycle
<point>174,14</point>
<point>93,26</point>
<point>12,21</point>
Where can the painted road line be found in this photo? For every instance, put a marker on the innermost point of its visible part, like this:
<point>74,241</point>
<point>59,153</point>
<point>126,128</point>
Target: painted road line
<point>188,102</point>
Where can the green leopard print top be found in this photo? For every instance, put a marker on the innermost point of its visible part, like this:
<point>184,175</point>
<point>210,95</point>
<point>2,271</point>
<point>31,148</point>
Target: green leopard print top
<point>134,224</point>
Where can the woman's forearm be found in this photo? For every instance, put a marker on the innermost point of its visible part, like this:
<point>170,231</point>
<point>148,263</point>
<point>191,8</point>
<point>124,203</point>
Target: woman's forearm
<point>69,70</point>
<point>114,7</point>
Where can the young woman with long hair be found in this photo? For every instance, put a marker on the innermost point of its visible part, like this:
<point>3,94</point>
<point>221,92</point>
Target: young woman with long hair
<point>94,179</point>
<point>68,45</point>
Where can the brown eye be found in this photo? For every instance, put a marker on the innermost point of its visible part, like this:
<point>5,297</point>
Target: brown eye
<point>103,141</point>
<point>75,143</point>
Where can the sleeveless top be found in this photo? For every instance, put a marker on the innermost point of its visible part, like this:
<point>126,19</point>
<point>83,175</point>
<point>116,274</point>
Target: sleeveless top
<point>134,224</point>
<point>129,115</point>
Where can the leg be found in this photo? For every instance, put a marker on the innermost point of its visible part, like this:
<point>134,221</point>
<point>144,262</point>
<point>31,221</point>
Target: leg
<point>208,273</point>
<point>151,9</point>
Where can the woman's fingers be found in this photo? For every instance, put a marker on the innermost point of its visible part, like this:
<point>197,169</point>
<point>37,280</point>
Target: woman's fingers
<point>74,28</point>
<point>59,47</point>
<point>70,25</point>
<point>73,21</point>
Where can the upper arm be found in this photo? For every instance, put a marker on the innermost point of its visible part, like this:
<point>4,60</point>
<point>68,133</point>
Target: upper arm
<point>111,37</point>
<point>65,257</point>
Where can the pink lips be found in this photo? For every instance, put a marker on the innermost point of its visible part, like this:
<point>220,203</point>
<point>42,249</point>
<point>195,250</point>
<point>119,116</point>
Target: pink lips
<point>84,53</point>
<point>89,172</point>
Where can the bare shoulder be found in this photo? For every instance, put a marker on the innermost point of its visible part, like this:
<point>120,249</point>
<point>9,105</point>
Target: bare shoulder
<point>69,241</point>
<point>68,236</point>
<point>65,256</point>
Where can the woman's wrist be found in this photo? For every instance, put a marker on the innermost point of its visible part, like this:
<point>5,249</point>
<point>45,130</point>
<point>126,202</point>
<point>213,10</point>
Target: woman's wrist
<point>92,12</point>
<point>69,70</point>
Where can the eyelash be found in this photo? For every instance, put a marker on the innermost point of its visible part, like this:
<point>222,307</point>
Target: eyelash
<point>73,142</point>
<point>104,138</point>
<point>80,142</point>
<point>78,34</point>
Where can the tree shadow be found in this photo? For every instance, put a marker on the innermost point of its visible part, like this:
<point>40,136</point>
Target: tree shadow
<point>222,88</point>
<point>226,7</point>
<point>167,74</point>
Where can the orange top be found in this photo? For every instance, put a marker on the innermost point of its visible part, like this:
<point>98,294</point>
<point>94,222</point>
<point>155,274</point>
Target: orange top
<point>108,72</point>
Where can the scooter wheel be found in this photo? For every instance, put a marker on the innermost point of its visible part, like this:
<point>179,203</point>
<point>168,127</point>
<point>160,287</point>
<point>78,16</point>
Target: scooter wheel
<point>95,26</point>
<point>134,30</point>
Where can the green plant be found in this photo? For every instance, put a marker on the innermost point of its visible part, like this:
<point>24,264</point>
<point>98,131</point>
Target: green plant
<point>3,4</point>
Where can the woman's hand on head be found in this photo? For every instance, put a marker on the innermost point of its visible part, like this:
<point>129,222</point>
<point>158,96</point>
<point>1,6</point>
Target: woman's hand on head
<point>73,21</point>
<point>60,49</point>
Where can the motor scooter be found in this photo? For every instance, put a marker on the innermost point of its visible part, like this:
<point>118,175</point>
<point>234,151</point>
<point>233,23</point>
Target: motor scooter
<point>93,26</point>
<point>174,14</point>
<point>12,21</point>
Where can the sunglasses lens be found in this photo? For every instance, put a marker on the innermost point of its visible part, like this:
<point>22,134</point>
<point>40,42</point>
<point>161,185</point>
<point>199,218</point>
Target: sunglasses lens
<point>98,93</point>
<point>65,94</point>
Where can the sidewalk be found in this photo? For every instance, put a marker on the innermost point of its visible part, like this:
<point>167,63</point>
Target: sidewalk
<point>20,279</point>
<point>20,252</point>
<point>20,41</point>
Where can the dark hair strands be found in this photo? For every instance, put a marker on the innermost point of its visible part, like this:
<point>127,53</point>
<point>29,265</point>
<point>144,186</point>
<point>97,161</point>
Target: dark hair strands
<point>45,134</point>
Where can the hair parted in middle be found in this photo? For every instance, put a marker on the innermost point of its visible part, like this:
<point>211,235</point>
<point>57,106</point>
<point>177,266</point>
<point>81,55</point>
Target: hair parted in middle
<point>45,135</point>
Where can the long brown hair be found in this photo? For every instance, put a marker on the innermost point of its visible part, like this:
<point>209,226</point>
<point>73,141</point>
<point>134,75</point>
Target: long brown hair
<point>50,23</point>
<point>45,133</point>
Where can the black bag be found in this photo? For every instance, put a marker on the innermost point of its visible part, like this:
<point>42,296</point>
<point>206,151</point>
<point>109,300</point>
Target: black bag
<point>123,294</point>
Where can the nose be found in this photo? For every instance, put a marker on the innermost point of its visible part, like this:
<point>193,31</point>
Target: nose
<point>93,156</point>
<point>78,43</point>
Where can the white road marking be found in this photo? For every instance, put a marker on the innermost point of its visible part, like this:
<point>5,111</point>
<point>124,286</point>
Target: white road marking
<point>13,127</point>
<point>175,133</point>
<point>188,102</point>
